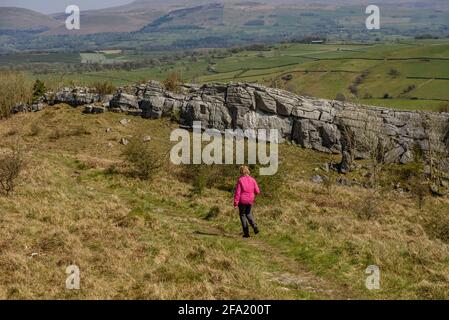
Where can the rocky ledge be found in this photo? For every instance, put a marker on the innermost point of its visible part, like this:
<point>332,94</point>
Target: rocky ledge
<point>324,125</point>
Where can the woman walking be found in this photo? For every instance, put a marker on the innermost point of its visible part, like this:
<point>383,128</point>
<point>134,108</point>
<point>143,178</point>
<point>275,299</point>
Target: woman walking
<point>245,193</point>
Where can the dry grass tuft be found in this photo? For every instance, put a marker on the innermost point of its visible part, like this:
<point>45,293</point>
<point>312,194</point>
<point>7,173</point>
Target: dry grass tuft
<point>14,89</point>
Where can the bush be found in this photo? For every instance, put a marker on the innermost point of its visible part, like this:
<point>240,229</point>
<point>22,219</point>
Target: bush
<point>200,178</point>
<point>353,89</point>
<point>14,89</point>
<point>444,107</point>
<point>104,87</point>
<point>394,73</point>
<point>371,207</point>
<point>56,134</point>
<point>368,96</point>
<point>420,190</point>
<point>11,165</point>
<point>172,82</point>
<point>436,225</point>
<point>35,129</point>
<point>142,158</point>
<point>409,89</point>
<point>213,213</point>
<point>39,90</point>
<point>340,97</point>
<point>270,186</point>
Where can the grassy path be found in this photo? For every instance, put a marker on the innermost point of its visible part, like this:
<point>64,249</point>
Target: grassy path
<point>291,275</point>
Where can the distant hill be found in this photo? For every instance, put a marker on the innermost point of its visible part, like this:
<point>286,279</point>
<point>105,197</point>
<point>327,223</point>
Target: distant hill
<point>153,25</point>
<point>20,19</point>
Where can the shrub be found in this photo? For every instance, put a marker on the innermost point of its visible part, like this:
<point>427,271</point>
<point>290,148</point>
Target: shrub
<point>436,224</point>
<point>444,107</point>
<point>103,87</point>
<point>270,186</point>
<point>34,130</point>
<point>172,82</point>
<point>39,90</point>
<point>56,134</point>
<point>142,158</point>
<point>175,115</point>
<point>340,97</point>
<point>200,178</point>
<point>213,213</point>
<point>11,165</point>
<point>419,190</point>
<point>409,89</point>
<point>354,89</point>
<point>14,89</point>
<point>371,207</point>
<point>394,73</point>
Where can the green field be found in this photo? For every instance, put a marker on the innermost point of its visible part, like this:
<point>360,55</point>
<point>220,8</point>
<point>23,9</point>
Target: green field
<point>318,70</point>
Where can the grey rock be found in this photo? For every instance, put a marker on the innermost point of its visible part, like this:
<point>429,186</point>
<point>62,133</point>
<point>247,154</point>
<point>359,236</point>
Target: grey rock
<point>394,155</point>
<point>325,167</point>
<point>77,96</point>
<point>124,141</point>
<point>124,122</point>
<point>265,102</point>
<point>94,109</point>
<point>35,107</point>
<point>124,102</point>
<point>317,179</point>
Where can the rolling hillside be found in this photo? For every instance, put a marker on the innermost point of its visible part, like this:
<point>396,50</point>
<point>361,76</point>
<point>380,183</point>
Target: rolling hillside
<point>18,19</point>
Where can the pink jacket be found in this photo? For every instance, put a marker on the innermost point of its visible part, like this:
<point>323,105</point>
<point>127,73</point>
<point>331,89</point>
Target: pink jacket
<point>245,191</point>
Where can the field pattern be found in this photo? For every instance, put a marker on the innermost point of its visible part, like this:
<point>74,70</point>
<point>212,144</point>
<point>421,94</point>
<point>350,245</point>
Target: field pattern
<point>407,75</point>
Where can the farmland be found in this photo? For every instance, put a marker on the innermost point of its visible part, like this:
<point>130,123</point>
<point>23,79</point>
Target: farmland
<point>405,75</point>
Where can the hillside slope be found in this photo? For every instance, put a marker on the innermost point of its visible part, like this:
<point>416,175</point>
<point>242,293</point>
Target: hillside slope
<point>159,239</point>
<point>12,18</point>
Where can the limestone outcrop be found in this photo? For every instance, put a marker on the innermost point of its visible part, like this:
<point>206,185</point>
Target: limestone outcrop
<point>319,124</point>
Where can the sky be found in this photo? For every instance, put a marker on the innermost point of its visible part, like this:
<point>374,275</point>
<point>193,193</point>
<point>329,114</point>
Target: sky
<point>54,6</point>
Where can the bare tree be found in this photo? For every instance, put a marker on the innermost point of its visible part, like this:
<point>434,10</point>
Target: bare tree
<point>11,164</point>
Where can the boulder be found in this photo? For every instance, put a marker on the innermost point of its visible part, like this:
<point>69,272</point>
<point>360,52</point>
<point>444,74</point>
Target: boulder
<point>124,102</point>
<point>94,109</point>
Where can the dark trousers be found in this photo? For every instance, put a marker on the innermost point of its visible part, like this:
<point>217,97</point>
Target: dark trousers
<point>245,217</point>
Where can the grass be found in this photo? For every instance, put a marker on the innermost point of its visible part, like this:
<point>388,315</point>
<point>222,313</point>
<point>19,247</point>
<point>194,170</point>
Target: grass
<point>155,239</point>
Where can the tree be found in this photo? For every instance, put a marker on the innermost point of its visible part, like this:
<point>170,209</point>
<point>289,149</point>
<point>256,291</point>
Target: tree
<point>394,73</point>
